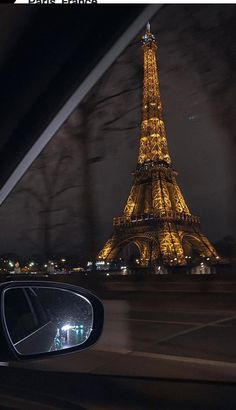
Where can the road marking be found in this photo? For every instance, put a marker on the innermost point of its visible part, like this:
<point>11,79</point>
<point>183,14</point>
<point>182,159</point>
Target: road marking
<point>182,359</point>
<point>195,328</point>
<point>185,359</point>
<point>172,322</point>
<point>109,349</point>
<point>168,322</point>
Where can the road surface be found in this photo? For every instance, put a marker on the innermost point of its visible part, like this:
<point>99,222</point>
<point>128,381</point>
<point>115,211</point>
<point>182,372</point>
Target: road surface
<point>160,334</point>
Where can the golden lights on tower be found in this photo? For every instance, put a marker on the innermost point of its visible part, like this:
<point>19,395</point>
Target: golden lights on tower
<point>156,217</point>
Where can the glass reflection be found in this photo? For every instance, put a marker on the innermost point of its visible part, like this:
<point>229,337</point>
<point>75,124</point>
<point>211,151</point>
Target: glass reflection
<point>42,320</point>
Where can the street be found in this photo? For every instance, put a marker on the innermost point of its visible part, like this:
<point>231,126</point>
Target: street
<point>160,334</point>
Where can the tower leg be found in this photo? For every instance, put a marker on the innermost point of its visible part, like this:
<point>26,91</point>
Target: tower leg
<point>170,246</point>
<point>110,250</point>
<point>200,244</point>
<point>145,253</point>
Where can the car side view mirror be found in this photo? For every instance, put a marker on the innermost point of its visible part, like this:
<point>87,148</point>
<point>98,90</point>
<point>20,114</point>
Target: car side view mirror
<point>39,319</point>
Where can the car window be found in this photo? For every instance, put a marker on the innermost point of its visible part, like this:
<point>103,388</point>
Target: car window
<point>134,199</point>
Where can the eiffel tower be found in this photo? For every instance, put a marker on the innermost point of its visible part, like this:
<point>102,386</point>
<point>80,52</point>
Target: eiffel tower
<point>156,217</point>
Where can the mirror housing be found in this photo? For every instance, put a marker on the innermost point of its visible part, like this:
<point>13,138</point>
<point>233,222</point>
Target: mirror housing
<point>24,333</point>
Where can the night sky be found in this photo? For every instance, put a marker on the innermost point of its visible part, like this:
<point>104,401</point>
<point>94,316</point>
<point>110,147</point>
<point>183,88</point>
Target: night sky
<point>91,158</point>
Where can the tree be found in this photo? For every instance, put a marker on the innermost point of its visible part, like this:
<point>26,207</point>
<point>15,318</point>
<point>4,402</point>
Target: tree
<point>58,187</point>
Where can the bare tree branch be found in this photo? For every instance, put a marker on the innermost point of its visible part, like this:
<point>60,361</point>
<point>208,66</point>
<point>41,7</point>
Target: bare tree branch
<point>123,114</point>
<point>105,99</point>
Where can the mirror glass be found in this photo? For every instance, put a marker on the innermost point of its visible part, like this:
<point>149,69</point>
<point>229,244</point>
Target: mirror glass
<point>44,319</point>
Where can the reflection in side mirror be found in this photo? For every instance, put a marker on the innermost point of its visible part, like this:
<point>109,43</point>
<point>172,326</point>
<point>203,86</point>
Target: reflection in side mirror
<point>41,319</point>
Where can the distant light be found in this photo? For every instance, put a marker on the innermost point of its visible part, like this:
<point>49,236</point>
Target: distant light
<point>63,260</point>
<point>208,259</point>
<point>78,269</point>
<point>217,257</point>
<point>124,271</point>
<point>46,266</point>
<point>67,327</point>
<point>107,274</point>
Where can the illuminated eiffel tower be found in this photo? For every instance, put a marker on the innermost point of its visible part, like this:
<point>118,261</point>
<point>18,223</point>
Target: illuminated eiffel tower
<point>156,217</point>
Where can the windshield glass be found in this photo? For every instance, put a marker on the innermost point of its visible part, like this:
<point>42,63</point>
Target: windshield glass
<point>134,199</point>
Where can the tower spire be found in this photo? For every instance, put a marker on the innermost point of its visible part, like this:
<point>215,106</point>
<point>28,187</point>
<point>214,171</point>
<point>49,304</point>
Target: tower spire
<point>153,141</point>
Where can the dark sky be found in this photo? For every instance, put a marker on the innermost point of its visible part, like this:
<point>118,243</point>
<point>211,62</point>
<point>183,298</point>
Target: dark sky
<point>83,177</point>
<point>44,55</point>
